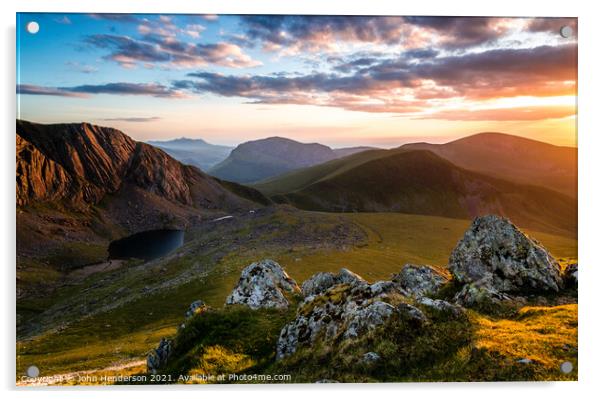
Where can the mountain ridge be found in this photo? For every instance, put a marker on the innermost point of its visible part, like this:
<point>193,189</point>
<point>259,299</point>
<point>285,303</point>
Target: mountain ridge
<point>513,158</point>
<point>264,158</point>
<point>421,182</point>
<point>195,152</point>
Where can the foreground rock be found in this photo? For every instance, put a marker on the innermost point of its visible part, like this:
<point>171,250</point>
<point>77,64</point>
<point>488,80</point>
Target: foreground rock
<point>420,280</point>
<point>262,285</point>
<point>158,358</point>
<point>442,306</point>
<point>196,307</point>
<point>570,275</point>
<point>479,295</point>
<point>345,311</point>
<point>497,258</point>
<point>320,282</point>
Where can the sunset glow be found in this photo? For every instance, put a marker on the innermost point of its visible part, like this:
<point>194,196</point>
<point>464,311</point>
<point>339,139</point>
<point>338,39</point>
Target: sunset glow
<point>342,81</point>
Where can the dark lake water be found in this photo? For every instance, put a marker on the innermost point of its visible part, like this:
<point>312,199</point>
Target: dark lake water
<point>147,245</point>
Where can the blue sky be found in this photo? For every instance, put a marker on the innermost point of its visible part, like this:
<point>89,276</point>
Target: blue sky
<point>337,80</point>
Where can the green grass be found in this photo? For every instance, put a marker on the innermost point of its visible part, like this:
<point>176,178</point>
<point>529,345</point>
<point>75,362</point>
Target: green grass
<point>131,330</point>
<point>229,340</point>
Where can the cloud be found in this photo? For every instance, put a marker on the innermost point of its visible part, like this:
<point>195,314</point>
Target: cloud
<point>134,89</point>
<point>462,32</point>
<point>161,48</point>
<point>404,84</point>
<point>45,91</point>
<point>126,18</point>
<point>504,114</point>
<point>551,25</point>
<point>314,33</point>
<point>142,119</point>
<point>294,34</point>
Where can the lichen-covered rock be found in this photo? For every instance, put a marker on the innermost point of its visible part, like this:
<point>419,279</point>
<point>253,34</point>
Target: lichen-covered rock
<point>344,311</point>
<point>495,253</point>
<point>442,306</point>
<point>381,288</point>
<point>570,274</point>
<point>196,307</point>
<point>367,317</point>
<point>262,285</point>
<point>370,358</point>
<point>318,283</point>
<point>158,358</point>
<point>419,280</point>
<point>475,294</point>
<point>346,276</point>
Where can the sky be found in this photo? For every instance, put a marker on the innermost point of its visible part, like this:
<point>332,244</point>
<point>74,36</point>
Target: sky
<point>338,80</point>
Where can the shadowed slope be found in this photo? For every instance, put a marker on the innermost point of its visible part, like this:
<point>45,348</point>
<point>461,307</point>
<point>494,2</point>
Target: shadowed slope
<point>420,182</point>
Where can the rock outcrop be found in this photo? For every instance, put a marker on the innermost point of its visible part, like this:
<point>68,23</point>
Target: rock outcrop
<point>345,311</point>
<point>81,164</point>
<point>479,294</point>
<point>158,357</point>
<point>570,275</point>
<point>196,307</point>
<point>370,358</point>
<point>419,280</point>
<point>495,256</point>
<point>263,284</point>
<point>442,306</point>
<point>320,282</point>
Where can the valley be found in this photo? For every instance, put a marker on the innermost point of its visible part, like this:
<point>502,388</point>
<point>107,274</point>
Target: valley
<point>87,196</point>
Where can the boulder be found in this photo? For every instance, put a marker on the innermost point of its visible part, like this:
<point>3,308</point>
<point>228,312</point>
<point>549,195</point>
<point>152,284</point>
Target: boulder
<point>343,312</point>
<point>383,288</point>
<point>442,306</point>
<point>570,275</point>
<point>476,294</point>
<point>346,276</point>
<point>365,318</point>
<point>196,307</point>
<point>420,280</point>
<point>262,285</point>
<point>370,358</point>
<point>501,258</point>
<point>158,358</point>
<point>320,282</point>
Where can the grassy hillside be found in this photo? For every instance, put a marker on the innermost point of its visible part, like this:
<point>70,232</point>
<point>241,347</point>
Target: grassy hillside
<point>420,182</point>
<point>500,155</point>
<point>208,266</point>
<point>512,158</point>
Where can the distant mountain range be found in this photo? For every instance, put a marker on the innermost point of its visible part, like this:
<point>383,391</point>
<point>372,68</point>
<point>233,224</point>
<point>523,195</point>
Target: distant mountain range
<point>489,177</point>
<point>196,152</point>
<point>260,159</point>
<point>137,186</point>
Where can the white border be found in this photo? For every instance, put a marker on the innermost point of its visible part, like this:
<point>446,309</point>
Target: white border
<point>590,198</point>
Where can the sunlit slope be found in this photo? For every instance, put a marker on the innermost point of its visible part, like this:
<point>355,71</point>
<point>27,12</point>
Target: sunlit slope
<point>129,331</point>
<point>420,182</point>
<point>509,157</point>
<point>512,158</point>
<point>300,178</point>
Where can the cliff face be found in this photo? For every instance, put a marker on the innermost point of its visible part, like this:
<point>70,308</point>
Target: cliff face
<point>82,163</point>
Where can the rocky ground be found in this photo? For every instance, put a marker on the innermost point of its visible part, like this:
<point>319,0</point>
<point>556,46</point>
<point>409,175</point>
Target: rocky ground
<point>422,324</point>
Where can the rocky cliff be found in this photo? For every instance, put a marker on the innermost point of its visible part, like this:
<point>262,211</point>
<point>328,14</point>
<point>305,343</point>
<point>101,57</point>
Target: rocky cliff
<point>82,163</point>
